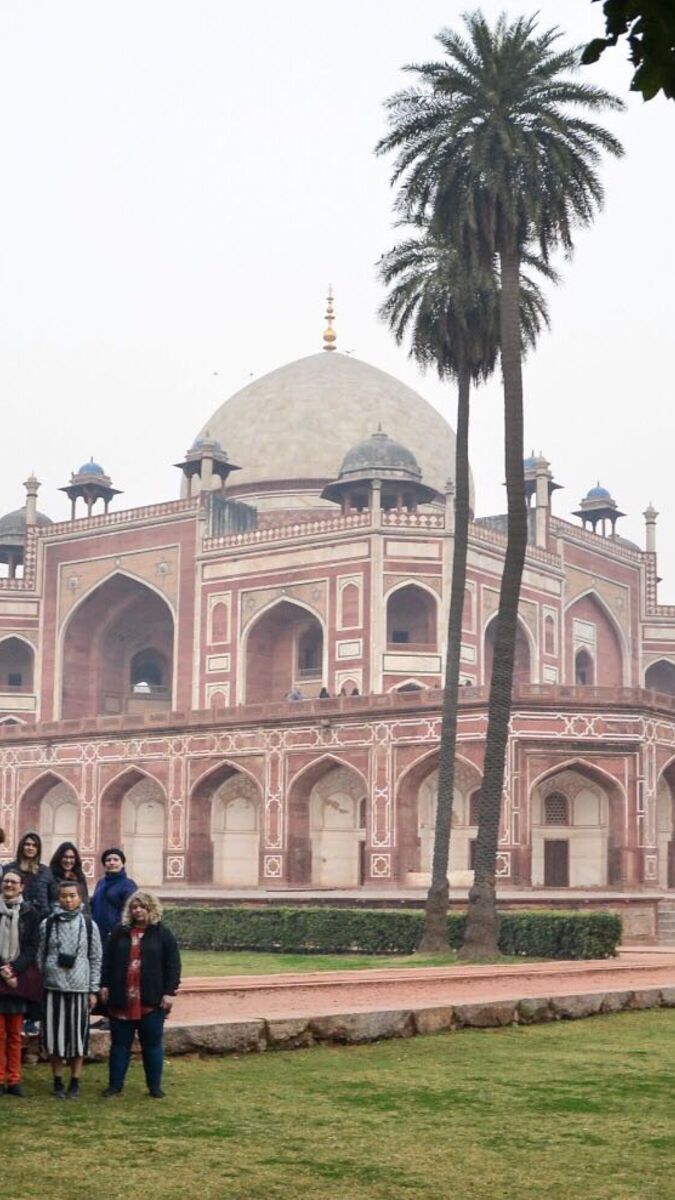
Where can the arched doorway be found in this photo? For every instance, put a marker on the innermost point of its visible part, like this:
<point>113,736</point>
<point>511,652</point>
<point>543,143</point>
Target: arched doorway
<point>522,667</point>
<point>224,823</point>
<point>577,823</point>
<point>284,652</point>
<point>593,644</point>
<point>411,619</point>
<point>50,805</point>
<point>327,826</point>
<point>416,808</point>
<point>665,826</point>
<point>661,677</point>
<point>143,832</point>
<point>117,651</point>
<point>133,815</point>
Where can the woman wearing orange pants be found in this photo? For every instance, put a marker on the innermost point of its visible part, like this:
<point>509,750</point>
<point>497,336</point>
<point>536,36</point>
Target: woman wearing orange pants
<point>19,933</point>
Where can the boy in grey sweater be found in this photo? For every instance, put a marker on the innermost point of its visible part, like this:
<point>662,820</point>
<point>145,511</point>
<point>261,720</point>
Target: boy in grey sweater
<point>70,958</point>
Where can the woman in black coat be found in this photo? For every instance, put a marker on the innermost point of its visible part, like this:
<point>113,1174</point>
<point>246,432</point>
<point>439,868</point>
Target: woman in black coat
<point>66,863</point>
<point>141,975</point>
<point>36,875</point>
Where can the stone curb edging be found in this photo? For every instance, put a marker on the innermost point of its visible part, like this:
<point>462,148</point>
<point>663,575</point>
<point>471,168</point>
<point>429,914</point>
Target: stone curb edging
<point>357,1028</point>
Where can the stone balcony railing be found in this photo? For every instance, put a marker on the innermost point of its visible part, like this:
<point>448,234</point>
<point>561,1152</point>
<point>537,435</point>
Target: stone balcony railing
<point>314,711</point>
<point>290,532</point>
<point>147,512</point>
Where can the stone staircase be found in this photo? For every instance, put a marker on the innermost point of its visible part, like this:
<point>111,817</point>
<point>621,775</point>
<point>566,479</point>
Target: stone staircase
<point>665,926</point>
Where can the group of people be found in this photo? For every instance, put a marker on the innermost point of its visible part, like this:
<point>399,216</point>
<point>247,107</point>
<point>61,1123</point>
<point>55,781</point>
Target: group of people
<point>62,955</point>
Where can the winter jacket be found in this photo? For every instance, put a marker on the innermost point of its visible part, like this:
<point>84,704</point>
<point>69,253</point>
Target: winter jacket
<point>35,887</point>
<point>160,965</point>
<point>29,934</point>
<point>108,900</point>
<point>70,933</point>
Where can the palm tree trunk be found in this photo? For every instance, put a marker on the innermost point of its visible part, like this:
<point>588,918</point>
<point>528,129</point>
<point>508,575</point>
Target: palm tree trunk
<point>482,927</point>
<point>435,936</point>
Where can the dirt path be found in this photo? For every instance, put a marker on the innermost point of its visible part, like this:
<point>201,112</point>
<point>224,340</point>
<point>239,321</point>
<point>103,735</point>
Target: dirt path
<point>239,998</point>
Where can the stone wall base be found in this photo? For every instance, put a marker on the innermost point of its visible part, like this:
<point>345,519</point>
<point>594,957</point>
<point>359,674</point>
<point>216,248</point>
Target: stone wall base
<point>350,1029</point>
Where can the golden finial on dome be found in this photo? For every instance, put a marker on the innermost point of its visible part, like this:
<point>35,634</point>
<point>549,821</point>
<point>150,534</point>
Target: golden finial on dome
<point>329,334</point>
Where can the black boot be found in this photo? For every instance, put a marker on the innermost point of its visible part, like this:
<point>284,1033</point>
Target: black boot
<point>59,1092</point>
<point>73,1090</point>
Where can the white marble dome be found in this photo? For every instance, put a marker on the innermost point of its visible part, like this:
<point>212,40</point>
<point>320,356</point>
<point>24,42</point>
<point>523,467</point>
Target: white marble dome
<point>298,423</point>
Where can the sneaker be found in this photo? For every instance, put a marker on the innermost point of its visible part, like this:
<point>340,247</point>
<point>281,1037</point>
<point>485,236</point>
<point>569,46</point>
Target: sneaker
<point>59,1092</point>
<point>111,1091</point>
<point>157,1094</point>
<point>73,1090</point>
<point>103,1024</point>
<point>29,1028</point>
<point>15,1089</point>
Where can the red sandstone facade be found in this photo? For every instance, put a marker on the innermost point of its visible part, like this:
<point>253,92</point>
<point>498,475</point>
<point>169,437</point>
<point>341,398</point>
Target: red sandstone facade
<point>146,657</point>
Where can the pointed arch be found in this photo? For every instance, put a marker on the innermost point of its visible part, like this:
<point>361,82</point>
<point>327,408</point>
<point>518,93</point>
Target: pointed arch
<point>111,803</point>
<point>602,656</point>
<point>411,616</point>
<point>588,849</point>
<point>660,676</point>
<point>17,665</point>
<point>415,817</point>
<point>270,655</point>
<point>526,660</point>
<point>30,800</point>
<point>115,618</point>
<point>202,855</point>
<point>327,802</point>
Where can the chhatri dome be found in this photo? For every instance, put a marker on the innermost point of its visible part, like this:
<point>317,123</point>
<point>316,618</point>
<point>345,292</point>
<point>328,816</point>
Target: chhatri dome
<point>298,423</point>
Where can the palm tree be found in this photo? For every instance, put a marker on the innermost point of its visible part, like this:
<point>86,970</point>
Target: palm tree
<point>452,316</point>
<point>496,150</point>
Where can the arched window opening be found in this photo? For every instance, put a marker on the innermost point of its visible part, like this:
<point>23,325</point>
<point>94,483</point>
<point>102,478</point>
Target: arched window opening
<point>661,677</point>
<point>584,674</point>
<point>521,662</point>
<point>556,809</point>
<point>410,687</point>
<point>16,666</point>
<point>411,619</point>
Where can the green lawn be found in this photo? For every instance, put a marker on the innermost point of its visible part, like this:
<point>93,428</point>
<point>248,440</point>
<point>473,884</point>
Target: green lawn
<point>568,1111</point>
<point>240,962</point>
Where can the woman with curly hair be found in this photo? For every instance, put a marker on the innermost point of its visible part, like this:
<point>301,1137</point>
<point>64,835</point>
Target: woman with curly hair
<point>66,863</point>
<point>141,975</point>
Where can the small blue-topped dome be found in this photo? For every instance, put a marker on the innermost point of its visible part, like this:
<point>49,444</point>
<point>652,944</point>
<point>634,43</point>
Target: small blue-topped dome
<point>530,462</point>
<point>91,468</point>
<point>206,441</point>
<point>598,493</point>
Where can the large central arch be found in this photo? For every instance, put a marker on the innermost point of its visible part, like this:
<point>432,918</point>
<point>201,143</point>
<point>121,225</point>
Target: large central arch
<point>117,651</point>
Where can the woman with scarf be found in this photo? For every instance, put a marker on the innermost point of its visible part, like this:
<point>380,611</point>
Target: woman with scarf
<point>70,958</point>
<point>66,863</point>
<point>19,931</point>
<point>35,874</point>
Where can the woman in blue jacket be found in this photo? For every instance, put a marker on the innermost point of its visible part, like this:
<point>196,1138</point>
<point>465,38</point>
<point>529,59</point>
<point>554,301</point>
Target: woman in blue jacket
<point>112,892</point>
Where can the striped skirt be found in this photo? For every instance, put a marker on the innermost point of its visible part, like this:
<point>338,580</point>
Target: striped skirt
<point>65,1024</point>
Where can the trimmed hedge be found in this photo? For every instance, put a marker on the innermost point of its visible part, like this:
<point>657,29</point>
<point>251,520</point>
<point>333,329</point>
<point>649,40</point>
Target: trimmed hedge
<point>538,933</point>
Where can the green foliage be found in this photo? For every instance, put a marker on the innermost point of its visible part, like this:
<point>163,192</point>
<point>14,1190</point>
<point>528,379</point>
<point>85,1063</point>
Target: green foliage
<point>649,26</point>
<point>539,933</point>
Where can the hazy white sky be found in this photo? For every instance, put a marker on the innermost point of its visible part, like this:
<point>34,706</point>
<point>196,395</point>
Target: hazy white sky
<point>182,178</point>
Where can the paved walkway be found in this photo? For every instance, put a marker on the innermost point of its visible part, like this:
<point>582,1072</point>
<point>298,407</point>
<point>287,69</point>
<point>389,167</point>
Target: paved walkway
<point>242,997</point>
